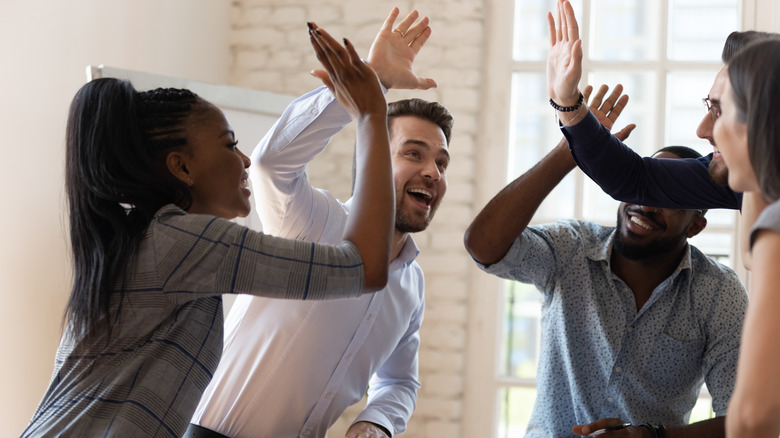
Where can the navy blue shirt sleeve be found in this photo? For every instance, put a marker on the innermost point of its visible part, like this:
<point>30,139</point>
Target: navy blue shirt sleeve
<point>657,182</point>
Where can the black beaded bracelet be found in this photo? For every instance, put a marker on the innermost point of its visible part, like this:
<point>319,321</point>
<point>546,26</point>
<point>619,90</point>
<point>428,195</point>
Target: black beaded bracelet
<point>566,109</point>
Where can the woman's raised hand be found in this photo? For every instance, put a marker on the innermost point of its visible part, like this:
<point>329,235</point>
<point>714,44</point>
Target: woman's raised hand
<point>354,84</point>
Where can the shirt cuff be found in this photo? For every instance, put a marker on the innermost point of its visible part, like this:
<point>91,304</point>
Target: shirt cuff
<point>376,419</point>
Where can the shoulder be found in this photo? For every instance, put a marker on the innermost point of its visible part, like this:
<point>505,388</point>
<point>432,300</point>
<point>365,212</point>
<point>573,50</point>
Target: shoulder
<point>574,229</point>
<point>707,271</point>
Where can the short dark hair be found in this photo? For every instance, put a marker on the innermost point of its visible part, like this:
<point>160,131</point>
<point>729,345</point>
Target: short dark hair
<point>680,151</point>
<point>753,75</point>
<point>434,112</point>
<point>738,40</point>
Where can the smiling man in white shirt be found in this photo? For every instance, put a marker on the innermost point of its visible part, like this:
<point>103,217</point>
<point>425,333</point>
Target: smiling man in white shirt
<point>291,369</point>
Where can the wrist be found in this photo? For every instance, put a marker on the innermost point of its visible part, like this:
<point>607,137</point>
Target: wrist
<point>658,431</point>
<point>565,107</point>
<point>570,118</point>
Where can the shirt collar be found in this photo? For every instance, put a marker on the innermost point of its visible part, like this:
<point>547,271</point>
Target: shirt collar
<point>604,252</point>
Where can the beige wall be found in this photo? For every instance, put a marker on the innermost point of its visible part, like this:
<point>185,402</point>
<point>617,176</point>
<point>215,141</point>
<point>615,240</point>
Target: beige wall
<point>45,46</point>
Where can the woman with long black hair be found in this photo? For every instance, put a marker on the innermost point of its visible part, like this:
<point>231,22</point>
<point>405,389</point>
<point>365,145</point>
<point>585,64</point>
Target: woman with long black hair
<point>152,179</point>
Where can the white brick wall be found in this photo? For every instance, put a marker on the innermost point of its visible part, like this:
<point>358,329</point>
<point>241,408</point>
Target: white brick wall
<point>271,51</point>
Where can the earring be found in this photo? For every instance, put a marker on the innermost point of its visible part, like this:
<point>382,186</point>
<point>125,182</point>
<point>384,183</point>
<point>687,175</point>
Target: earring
<point>189,181</point>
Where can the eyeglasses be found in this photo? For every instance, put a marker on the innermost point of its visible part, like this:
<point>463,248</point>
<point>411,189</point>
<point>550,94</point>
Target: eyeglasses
<point>712,108</point>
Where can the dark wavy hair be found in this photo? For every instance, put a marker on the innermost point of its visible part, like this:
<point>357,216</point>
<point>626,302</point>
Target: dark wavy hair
<point>434,112</point>
<point>753,74</point>
<point>115,180</point>
<point>738,40</point>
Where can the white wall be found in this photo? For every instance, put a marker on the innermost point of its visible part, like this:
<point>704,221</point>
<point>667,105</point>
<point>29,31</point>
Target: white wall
<point>44,48</point>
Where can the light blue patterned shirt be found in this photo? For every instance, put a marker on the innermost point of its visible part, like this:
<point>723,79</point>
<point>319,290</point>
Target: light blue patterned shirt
<point>601,358</point>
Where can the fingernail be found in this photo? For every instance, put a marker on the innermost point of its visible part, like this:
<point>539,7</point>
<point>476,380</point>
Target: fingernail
<point>308,23</point>
<point>346,43</point>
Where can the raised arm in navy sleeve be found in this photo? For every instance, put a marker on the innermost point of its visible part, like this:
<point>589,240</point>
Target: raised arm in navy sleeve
<point>656,182</point>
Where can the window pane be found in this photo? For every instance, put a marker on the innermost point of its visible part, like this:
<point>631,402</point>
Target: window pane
<point>521,333</point>
<point>531,39</point>
<point>623,30</point>
<point>698,28</point>
<point>533,133</point>
<point>684,108</point>
<point>716,245</point>
<point>515,406</point>
<point>641,109</point>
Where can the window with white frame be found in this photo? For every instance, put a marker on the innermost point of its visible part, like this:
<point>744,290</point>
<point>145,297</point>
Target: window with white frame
<point>665,53</point>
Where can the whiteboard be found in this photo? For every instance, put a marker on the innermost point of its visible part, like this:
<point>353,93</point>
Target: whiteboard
<point>251,113</point>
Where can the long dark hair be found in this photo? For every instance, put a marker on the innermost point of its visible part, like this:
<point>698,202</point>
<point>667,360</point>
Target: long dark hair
<point>753,74</point>
<point>115,179</point>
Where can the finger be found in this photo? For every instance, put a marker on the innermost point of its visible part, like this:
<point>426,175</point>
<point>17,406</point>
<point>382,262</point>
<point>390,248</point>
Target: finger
<point>324,77</point>
<point>420,39</point>
<point>419,27</point>
<point>623,134</point>
<point>611,101</point>
<point>563,23</point>
<point>354,58</point>
<point>618,108</point>
<point>336,55</point>
<point>388,24</point>
<point>558,33</point>
<point>576,54</point>
<point>571,22</point>
<point>404,25</point>
<point>551,29</point>
<point>586,93</point>
<point>319,49</point>
<point>428,83</point>
<point>599,96</point>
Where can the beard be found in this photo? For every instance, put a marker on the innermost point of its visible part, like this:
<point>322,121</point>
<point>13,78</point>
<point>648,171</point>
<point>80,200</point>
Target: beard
<point>636,252</point>
<point>407,222</point>
<point>719,173</point>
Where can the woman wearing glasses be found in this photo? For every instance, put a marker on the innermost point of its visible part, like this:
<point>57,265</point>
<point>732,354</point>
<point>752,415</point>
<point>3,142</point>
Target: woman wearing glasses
<point>749,134</point>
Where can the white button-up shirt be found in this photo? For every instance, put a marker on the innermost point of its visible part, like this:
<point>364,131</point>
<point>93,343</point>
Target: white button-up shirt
<point>291,368</point>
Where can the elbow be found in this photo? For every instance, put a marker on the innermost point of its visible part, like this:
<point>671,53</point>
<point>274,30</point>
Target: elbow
<point>471,243</point>
<point>753,418</point>
<point>480,248</point>
<point>375,279</point>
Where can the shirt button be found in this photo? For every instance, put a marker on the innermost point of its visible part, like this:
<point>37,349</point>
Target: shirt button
<point>631,329</point>
<point>610,399</point>
<point>618,369</point>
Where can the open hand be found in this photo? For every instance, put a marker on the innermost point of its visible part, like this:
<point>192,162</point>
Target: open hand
<point>564,62</point>
<point>608,110</point>
<point>394,49</point>
<point>352,81</point>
